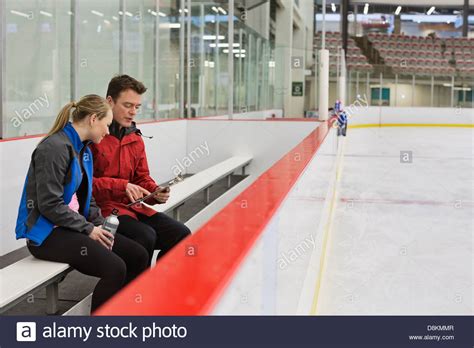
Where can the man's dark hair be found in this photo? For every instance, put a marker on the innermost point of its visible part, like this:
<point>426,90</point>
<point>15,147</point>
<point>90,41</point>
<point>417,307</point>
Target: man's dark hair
<point>121,83</point>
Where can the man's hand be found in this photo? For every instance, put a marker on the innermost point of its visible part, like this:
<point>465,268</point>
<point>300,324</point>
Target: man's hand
<point>135,192</point>
<point>162,196</point>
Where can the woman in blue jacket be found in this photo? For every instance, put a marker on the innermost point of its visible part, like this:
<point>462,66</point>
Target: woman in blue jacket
<point>58,215</point>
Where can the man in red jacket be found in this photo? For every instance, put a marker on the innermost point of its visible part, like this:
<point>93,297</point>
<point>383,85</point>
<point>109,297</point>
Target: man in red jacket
<point>121,174</point>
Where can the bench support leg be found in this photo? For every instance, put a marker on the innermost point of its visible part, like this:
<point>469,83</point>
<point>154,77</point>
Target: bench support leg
<point>243,170</point>
<point>176,213</point>
<point>52,298</point>
<point>228,180</point>
<point>207,198</point>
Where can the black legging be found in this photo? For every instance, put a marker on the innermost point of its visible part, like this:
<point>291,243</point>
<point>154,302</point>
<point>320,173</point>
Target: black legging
<point>114,268</point>
<point>157,232</point>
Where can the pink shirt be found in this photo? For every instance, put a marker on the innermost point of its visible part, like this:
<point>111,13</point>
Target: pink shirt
<point>74,204</point>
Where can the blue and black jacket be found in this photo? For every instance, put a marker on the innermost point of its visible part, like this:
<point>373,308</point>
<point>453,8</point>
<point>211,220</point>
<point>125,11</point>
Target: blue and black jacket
<point>342,119</point>
<point>61,165</point>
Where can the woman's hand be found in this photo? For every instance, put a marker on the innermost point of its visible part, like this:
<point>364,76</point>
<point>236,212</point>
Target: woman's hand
<point>102,236</point>
<point>135,192</point>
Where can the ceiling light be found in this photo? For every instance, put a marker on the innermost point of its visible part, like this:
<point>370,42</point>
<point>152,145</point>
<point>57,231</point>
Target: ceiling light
<point>18,13</point>
<point>47,14</point>
<point>97,13</point>
<point>213,37</point>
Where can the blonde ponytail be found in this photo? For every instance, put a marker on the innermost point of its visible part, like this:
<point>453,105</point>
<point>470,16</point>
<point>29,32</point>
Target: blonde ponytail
<point>62,119</point>
<point>86,106</point>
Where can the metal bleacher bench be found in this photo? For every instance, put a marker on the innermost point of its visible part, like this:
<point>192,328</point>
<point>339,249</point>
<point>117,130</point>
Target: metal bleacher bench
<point>23,278</point>
<point>201,181</point>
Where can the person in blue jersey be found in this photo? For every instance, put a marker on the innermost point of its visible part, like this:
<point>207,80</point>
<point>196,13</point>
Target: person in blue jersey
<point>341,123</point>
<point>58,215</point>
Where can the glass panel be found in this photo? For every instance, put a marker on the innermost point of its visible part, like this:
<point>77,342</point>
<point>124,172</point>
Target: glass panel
<point>168,63</point>
<point>98,45</point>
<point>139,45</point>
<point>48,32</point>
<point>221,62</point>
<point>37,81</point>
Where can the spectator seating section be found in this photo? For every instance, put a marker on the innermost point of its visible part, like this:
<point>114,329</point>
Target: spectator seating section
<point>424,56</point>
<point>355,59</point>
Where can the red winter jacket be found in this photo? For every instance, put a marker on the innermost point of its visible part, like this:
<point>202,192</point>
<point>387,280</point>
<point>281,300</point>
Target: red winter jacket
<point>119,159</point>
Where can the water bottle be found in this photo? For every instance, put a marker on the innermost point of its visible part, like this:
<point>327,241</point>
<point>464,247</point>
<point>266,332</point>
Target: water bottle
<point>111,223</point>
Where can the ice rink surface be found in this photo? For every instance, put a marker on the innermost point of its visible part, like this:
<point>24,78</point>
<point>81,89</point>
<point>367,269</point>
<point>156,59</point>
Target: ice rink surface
<point>402,239</point>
